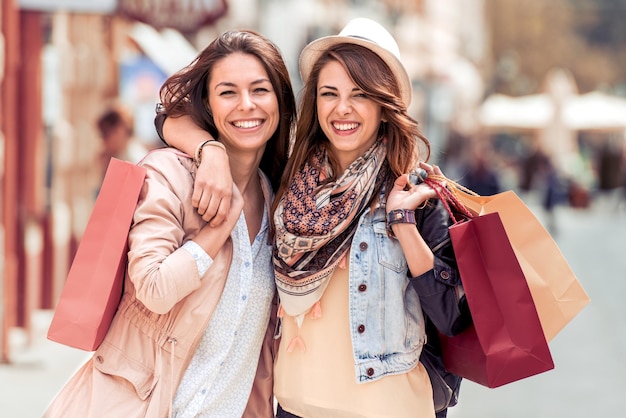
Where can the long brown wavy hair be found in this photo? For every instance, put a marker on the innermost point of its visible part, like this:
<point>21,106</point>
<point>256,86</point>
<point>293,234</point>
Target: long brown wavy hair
<point>370,74</point>
<point>185,93</point>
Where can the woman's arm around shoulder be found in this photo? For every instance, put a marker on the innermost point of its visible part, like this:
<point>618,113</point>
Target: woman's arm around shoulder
<point>213,183</point>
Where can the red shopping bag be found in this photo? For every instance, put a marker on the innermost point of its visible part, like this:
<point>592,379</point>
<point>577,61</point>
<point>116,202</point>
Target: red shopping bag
<point>557,293</point>
<point>506,342</point>
<point>93,286</point>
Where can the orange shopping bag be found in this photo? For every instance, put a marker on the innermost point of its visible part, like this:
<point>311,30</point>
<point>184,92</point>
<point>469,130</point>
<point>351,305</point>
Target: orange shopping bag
<point>557,293</point>
<point>93,287</point>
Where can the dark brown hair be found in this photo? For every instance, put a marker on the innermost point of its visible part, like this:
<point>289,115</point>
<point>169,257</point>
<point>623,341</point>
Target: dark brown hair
<point>370,74</point>
<point>185,93</point>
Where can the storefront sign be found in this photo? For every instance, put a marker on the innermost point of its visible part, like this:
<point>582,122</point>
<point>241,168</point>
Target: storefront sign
<point>183,15</point>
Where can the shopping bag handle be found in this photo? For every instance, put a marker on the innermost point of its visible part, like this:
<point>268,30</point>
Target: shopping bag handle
<point>447,190</point>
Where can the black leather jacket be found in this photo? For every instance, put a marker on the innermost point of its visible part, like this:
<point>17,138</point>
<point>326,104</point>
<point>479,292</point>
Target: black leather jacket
<point>440,290</point>
<point>443,302</point>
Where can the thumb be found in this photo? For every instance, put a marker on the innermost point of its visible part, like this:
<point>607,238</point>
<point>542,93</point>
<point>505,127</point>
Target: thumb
<point>401,182</point>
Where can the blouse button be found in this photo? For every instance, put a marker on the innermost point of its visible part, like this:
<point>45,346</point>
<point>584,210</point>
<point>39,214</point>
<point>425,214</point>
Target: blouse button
<point>361,329</point>
<point>444,275</point>
<point>363,246</point>
<point>370,372</point>
<point>362,287</point>
<point>99,359</point>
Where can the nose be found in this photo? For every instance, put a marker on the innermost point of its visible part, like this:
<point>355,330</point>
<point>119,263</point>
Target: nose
<point>344,106</point>
<point>246,102</point>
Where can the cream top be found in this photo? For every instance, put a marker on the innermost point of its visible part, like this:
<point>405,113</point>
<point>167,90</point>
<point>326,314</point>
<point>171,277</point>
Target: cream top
<point>320,381</point>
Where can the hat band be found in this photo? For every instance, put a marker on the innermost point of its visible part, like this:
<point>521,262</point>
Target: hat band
<point>362,37</point>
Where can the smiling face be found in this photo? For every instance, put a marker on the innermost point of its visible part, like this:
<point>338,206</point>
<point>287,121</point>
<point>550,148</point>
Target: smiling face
<point>347,116</point>
<point>243,102</point>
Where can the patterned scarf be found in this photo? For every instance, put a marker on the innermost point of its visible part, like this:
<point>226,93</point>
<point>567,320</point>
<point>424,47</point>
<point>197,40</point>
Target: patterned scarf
<point>315,224</point>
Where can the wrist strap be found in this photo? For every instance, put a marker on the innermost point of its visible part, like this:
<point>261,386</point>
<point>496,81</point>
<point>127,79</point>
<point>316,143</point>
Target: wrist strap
<point>397,216</point>
<point>404,216</point>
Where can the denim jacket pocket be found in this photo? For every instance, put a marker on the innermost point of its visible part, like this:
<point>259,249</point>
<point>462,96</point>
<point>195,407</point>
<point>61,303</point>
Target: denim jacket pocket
<point>390,253</point>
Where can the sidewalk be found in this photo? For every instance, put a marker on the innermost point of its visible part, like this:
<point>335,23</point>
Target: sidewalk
<point>36,371</point>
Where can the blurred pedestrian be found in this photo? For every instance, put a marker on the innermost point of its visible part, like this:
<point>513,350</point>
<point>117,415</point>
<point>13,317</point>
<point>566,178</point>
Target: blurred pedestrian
<point>539,172</point>
<point>193,326</point>
<point>480,176</point>
<point>116,129</point>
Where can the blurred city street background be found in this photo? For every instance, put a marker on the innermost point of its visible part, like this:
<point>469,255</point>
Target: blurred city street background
<point>526,96</point>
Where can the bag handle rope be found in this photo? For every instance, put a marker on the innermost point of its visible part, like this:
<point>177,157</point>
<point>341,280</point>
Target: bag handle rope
<point>448,191</point>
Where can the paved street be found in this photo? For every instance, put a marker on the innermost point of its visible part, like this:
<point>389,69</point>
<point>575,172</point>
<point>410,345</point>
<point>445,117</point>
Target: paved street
<point>37,372</point>
<point>588,380</point>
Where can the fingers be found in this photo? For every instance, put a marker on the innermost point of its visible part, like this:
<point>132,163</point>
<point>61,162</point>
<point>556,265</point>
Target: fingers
<point>217,208</point>
<point>196,198</point>
<point>434,169</point>
<point>401,182</point>
<point>212,206</point>
<point>206,202</point>
<point>223,207</point>
<point>426,166</point>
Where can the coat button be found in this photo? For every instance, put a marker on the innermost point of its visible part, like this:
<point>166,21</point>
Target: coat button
<point>444,275</point>
<point>361,329</point>
<point>362,287</point>
<point>363,246</point>
<point>99,359</point>
<point>370,372</point>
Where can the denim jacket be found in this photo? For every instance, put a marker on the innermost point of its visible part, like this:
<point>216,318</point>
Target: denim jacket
<point>387,324</point>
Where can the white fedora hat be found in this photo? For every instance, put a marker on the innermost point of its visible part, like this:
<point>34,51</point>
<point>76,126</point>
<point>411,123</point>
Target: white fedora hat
<point>369,34</point>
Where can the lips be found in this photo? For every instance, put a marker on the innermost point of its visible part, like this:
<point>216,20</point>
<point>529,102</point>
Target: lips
<point>247,124</point>
<point>345,126</point>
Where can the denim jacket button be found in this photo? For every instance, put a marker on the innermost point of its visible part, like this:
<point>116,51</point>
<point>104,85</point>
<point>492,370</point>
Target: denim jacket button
<point>370,372</point>
<point>363,246</point>
<point>361,329</point>
<point>444,275</point>
<point>362,287</point>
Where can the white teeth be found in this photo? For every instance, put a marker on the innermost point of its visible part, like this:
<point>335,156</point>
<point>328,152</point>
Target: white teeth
<point>345,126</point>
<point>247,124</point>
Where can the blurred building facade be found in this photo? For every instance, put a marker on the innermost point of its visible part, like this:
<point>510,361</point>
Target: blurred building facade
<point>61,66</point>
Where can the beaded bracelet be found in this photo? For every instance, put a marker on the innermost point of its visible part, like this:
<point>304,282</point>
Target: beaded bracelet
<point>197,158</point>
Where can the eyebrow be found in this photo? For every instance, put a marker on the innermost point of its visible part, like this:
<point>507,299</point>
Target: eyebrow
<point>231,84</point>
<point>335,88</point>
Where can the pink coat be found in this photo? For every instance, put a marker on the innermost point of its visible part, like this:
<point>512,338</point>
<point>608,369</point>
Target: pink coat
<point>137,368</point>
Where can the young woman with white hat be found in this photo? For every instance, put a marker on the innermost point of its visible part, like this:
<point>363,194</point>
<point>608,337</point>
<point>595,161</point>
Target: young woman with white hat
<point>354,238</point>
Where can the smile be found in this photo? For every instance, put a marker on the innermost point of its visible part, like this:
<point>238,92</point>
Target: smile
<point>247,124</point>
<point>345,126</point>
